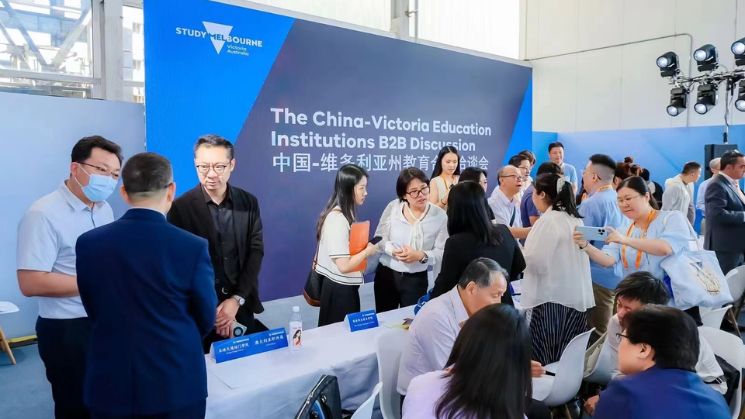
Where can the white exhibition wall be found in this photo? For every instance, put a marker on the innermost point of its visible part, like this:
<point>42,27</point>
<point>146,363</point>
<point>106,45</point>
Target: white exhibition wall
<point>619,87</point>
<point>37,134</point>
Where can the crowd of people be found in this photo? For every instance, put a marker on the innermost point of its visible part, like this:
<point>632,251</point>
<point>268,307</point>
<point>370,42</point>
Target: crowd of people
<point>194,274</point>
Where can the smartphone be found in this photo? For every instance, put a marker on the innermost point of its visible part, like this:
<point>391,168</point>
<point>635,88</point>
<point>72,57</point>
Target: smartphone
<point>593,233</point>
<point>375,240</point>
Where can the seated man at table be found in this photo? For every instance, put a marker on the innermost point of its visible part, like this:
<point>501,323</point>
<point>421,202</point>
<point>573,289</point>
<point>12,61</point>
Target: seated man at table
<point>434,329</point>
<point>633,292</point>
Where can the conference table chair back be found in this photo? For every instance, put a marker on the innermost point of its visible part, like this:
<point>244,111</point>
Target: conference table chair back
<point>730,348</point>
<point>365,410</point>
<point>389,348</point>
<point>569,370</point>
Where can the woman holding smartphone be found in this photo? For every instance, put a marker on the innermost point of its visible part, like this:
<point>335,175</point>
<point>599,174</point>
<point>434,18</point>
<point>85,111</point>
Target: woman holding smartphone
<point>340,278</point>
<point>413,232</point>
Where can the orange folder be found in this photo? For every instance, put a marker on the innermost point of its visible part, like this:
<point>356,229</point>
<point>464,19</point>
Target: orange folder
<point>359,236</point>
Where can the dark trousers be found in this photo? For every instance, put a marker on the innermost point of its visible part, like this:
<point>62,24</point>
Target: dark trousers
<point>244,316</point>
<point>730,260</point>
<point>193,411</point>
<point>395,289</point>
<point>337,301</point>
<point>63,347</point>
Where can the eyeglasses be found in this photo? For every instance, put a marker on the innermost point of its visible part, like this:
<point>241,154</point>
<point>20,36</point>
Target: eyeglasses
<point>621,335</point>
<point>416,193</point>
<point>626,200</point>
<point>102,170</point>
<point>219,168</point>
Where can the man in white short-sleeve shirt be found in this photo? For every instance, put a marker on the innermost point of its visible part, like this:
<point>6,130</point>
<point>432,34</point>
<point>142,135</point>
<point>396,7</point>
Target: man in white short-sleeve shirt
<point>46,270</point>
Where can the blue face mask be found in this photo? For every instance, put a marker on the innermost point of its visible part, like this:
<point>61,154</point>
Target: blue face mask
<point>99,187</point>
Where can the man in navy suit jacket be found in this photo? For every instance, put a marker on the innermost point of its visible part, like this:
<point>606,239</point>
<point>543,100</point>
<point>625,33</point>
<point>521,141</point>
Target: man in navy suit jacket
<point>725,212</point>
<point>148,288</point>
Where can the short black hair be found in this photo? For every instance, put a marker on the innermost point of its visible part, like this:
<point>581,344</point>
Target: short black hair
<point>214,140</point>
<point>645,174</point>
<point>554,145</point>
<point>81,151</point>
<point>473,174</point>
<point>729,157</point>
<point>603,160</point>
<point>670,332</point>
<point>549,167</point>
<point>406,176</point>
<point>644,287</point>
<point>690,167</point>
<point>480,271</point>
<point>517,158</point>
<point>146,174</point>
<point>529,154</point>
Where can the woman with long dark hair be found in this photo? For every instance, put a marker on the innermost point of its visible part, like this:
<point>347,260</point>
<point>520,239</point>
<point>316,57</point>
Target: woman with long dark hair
<point>557,287</point>
<point>444,175</point>
<point>473,235</point>
<point>341,280</point>
<point>479,383</point>
<point>413,232</point>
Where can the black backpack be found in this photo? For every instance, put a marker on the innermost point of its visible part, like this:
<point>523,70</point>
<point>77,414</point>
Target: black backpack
<point>323,401</point>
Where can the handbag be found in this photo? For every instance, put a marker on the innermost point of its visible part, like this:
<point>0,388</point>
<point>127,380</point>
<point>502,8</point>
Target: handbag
<point>323,401</point>
<point>313,284</point>
<point>696,278</point>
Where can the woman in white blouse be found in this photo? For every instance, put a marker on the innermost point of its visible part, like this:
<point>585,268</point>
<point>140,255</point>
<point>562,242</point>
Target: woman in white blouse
<point>413,232</point>
<point>341,279</point>
<point>557,287</point>
<point>444,175</point>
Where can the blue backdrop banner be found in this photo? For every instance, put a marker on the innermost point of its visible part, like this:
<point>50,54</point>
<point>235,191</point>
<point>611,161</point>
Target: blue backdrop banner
<point>300,99</point>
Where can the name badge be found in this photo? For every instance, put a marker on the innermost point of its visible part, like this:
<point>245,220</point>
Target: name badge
<point>243,346</point>
<point>362,320</point>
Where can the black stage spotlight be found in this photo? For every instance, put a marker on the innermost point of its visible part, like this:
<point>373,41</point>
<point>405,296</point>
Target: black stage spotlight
<point>706,98</point>
<point>668,64</point>
<point>738,48</point>
<point>740,102</point>
<point>706,58</point>
<point>678,99</point>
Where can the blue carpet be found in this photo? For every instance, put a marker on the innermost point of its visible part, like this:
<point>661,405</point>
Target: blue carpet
<point>24,390</point>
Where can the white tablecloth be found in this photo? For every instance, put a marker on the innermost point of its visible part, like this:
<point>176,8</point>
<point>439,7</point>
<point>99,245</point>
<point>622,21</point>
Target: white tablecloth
<point>274,384</point>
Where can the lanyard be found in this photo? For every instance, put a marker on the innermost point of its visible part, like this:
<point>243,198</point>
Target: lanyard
<point>651,217</point>
<point>604,188</point>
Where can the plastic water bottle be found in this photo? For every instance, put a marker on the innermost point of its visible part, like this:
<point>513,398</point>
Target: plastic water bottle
<point>296,329</point>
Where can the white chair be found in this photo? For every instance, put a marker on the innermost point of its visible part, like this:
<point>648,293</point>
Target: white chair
<point>5,308</point>
<point>559,389</point>
<point>366,409</point>
<point>713,317</point>
<point>736,282</point>
<point>388,349</point>
<point>731,349</point>
<point>601,373</point>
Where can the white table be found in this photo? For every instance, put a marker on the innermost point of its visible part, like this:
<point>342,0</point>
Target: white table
<point>274,384</point>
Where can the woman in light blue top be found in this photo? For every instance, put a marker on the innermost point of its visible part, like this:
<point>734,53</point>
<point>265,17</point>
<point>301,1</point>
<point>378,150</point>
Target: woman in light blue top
<point>646,239</point>
<point>649,236</point>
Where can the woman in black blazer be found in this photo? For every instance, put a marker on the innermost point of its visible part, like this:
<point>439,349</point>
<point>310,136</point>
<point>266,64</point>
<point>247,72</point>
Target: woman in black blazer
<point>473,235</point>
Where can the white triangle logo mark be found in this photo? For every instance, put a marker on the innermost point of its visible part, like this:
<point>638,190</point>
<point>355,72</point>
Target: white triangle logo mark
<point>217,29</point>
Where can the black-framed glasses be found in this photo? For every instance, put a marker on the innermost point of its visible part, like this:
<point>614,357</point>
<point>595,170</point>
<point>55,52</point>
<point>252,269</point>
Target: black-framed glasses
<point>416,193</point>
<point>102,170</point>
<point>219,168</point>
<point>621,335</point>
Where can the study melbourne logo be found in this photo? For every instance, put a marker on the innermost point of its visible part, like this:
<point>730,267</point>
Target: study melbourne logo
<point>220,34</point>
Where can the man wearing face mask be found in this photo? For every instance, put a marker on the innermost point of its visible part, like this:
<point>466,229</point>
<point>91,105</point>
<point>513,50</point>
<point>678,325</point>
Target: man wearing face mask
<point>46,265</point>
<point>228,217</point>
<point>148,309</point>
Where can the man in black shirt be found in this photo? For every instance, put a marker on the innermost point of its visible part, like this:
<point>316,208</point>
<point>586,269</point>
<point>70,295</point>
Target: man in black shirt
<point>228,217</point>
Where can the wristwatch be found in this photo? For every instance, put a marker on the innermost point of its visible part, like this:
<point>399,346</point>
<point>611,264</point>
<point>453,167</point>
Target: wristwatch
<point>424,259</point>
<point>239,299</point>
